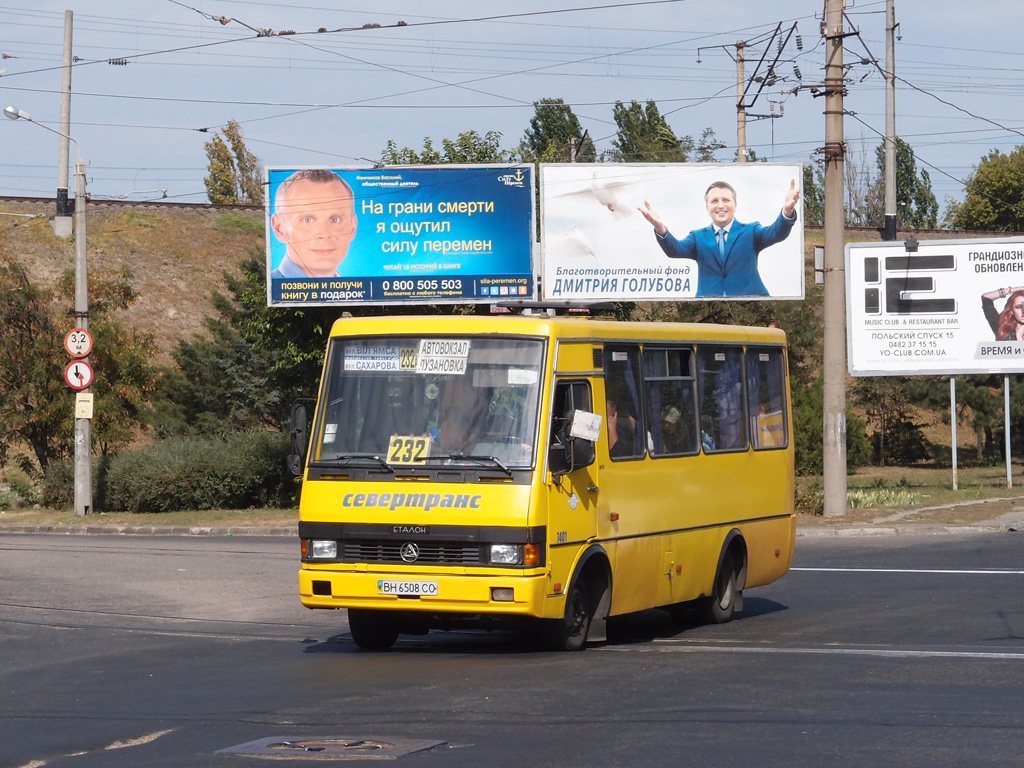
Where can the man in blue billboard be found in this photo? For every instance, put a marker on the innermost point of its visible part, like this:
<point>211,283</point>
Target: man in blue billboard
<point>314,216</point>
<point>726,252</point>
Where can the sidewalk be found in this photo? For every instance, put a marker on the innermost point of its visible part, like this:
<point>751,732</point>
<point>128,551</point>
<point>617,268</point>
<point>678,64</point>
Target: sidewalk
<point>940,519</point>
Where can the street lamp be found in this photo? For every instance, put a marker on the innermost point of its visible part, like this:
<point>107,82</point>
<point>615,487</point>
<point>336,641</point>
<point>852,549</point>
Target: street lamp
<point>83,437</point>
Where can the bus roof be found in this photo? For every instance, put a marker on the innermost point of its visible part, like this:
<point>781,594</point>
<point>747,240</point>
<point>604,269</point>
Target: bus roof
<point>554,327</point>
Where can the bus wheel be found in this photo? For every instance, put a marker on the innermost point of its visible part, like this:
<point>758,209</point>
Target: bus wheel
<point>719,608</point>
<point>570,632</point>
<point>372,630</point>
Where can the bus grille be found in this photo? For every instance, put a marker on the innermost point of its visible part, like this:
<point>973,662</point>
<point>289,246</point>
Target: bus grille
<point>390,552</point>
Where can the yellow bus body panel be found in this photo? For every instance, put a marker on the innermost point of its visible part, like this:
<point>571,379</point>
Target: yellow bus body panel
<point>660,522</point>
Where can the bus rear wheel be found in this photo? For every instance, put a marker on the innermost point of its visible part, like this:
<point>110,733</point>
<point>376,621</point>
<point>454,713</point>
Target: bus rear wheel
<point>372,630</point>
<point>720,606</point>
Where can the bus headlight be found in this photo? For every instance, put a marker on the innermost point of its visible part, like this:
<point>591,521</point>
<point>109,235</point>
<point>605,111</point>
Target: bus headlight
<point>322,549</point>
<point>506,554</point>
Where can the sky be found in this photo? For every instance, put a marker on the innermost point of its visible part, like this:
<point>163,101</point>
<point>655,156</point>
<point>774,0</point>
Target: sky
<point>335,97</point>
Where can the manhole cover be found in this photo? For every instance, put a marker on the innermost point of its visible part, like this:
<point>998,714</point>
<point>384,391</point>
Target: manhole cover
<point>330,748</point>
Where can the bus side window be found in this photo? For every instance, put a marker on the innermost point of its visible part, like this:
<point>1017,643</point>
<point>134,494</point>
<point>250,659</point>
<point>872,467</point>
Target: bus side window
<point>766,397</point>
<point>623,410</point>
<point>720,392</point>
<point>670,400</point>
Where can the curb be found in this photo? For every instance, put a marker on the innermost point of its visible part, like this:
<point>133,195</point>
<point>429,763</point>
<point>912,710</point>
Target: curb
<point>922,529</point>
<point>292,531</point>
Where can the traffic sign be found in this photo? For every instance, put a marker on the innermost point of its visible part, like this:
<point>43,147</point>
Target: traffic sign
<point>78,343</point>
<point>78,374</point>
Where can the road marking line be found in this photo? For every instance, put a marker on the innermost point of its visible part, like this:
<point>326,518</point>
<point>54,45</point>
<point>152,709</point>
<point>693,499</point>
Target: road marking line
<point>879,652</point>
<point>956,571</point>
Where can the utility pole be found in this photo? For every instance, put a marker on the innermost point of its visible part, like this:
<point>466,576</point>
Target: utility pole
<point>83,426</point>
<point>834,417</point>
<point>61,223</point>
<point>741,106</point>
<point>889,233</point>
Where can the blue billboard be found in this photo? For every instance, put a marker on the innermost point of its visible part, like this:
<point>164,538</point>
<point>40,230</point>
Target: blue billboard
<point>399,235</point>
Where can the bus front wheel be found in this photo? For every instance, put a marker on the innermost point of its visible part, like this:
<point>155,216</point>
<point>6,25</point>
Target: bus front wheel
<point>372,630</point>
<point>570,632</point>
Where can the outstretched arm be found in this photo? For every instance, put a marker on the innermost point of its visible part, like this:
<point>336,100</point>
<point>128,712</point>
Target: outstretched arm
<point>655,220</point>
<point>999,293</point>
<point>792,198</point>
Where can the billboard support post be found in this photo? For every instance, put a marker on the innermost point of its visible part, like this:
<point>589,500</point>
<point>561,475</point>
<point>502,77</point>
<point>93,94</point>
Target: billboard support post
<point>952,421</point>
<point>1006,430</point>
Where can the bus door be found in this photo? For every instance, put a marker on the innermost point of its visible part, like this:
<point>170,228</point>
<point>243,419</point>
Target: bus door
<point>630,487</point>
<point>572,490</point>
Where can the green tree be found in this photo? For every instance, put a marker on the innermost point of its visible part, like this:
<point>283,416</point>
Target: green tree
<point>468,148</point>
<point>35,405</point>
<point>916,206</point>
<point>886,403</point>
<point>233,174</point>
<point>995,191</point>
<point>644,136</point>
<point>814,194</point>
<point>554,133</point>
<point>249,366</point>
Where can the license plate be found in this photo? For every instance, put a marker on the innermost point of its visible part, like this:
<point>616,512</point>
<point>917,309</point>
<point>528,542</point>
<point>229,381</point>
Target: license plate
<point>406,588</point>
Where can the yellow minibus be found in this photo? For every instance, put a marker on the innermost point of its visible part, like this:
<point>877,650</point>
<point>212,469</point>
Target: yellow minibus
<point>496,471</point>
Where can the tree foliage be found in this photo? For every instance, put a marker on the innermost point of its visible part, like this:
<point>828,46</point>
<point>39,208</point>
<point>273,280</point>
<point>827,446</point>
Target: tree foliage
<point>233,173</point>
<point>556,136</point>
<point>814,194</point>
<point>249,366</point>
<point>995,191</point>
<point>468,148</point>
<point>916,206</point>
<point>36,406</point>
<point>644,136</point>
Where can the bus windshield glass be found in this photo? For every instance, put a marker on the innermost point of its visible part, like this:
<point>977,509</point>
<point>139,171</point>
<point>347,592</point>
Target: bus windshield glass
<point>431,401</point>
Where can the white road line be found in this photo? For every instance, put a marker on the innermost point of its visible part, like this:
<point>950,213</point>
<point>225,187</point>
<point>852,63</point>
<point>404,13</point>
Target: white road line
<point>670,646</point>
<point>955,571</point>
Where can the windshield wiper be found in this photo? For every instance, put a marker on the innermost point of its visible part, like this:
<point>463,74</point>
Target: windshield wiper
<point>347,457</point>
<point>478,459</point>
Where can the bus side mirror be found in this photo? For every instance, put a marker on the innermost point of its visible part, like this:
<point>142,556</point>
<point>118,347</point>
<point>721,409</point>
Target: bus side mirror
<point>574,445</point>
<point>299,434</point>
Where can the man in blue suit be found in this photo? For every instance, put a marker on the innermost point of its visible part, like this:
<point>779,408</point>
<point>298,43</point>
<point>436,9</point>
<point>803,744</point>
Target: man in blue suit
<point>726,251</point>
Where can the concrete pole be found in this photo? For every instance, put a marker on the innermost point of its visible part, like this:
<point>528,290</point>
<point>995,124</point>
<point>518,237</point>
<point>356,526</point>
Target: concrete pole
<point>741,107</point>
<point>834,417</point>
<point>62,221</point>
<point>83,433</point>
<point>889,232</point>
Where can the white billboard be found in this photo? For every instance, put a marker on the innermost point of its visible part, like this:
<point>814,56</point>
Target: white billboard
<point>632,232</point>
<point>946,307</point>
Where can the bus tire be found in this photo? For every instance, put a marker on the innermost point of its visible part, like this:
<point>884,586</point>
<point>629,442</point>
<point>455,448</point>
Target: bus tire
<point>720,606</point>
<point>372,630</point>
<point>570,632</point>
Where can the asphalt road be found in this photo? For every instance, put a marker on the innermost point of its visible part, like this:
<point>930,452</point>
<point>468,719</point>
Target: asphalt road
<point>161,651</point>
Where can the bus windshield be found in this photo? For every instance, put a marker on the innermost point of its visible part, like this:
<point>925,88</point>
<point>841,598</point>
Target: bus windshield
<point>426,401</point>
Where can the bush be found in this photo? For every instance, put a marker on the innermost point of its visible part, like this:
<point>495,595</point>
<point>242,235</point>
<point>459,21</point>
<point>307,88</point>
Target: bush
<point>59,485</point>
<point>243,471</point>
<point>809,496</point>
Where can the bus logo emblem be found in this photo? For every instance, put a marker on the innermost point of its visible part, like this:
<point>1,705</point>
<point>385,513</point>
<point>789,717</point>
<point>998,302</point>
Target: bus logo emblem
<point>410,552</point>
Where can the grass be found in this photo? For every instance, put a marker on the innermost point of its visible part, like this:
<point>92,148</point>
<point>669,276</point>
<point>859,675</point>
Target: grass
<point>880,495</point>
<point>219,518</point>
